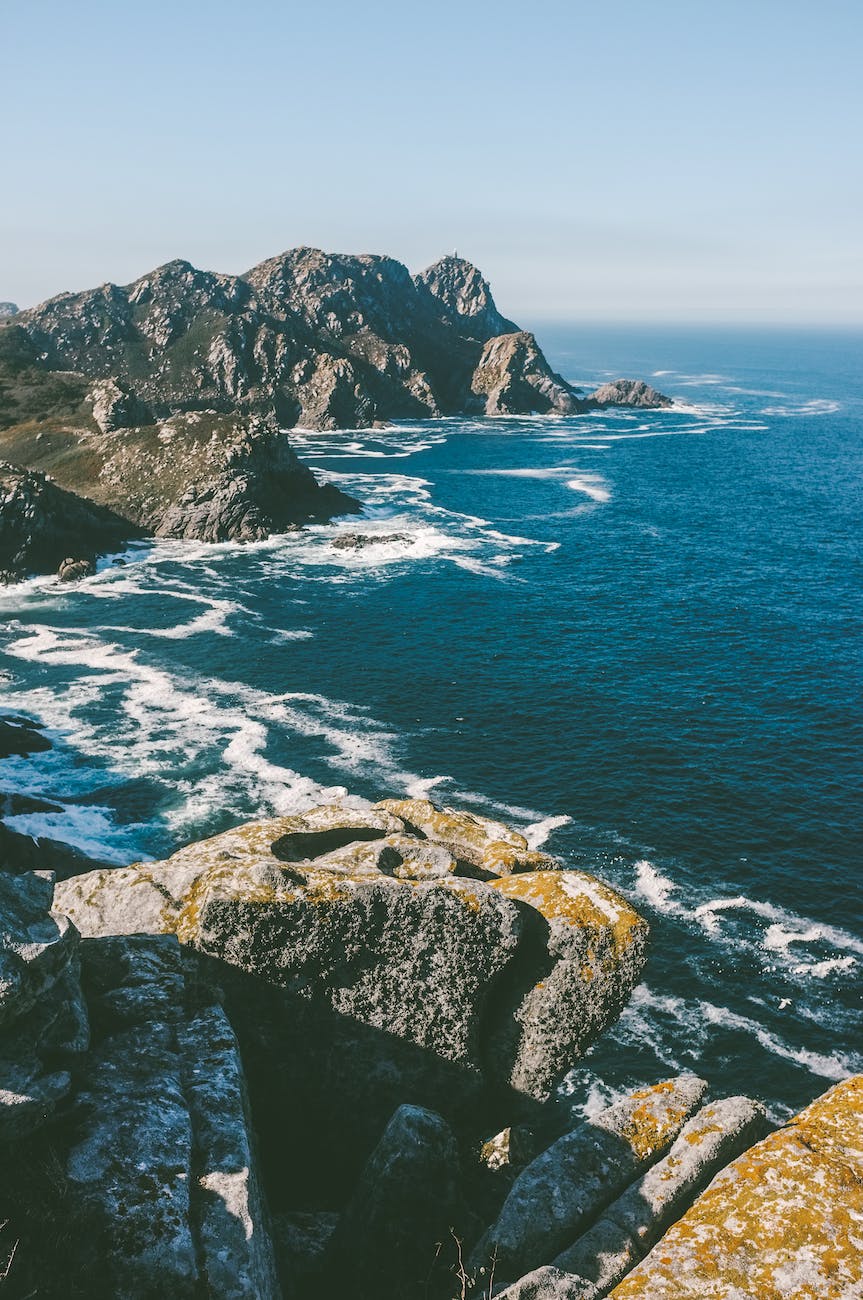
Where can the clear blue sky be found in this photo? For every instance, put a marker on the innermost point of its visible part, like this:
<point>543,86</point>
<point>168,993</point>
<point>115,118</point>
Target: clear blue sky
<point>622,160</point>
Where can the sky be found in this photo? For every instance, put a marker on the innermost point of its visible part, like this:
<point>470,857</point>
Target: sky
<point>599,161</point>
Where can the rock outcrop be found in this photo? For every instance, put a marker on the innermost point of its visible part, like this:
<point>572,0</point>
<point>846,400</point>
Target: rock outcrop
<point>562,1190</point>
<point>629,392</point>
<point>383,958</point>
<point>8,309</point>
<point>158,1138</point>
<point>43,527</point>
<point>465,297</point>
<point>784,1220</point>
<point>513,377</point>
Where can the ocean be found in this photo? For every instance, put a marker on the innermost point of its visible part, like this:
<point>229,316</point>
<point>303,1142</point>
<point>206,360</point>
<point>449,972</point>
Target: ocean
<point>635,634</point>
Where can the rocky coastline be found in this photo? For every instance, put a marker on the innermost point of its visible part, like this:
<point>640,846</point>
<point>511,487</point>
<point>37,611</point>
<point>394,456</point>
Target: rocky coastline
<point>166,403</point>
<point>319,1055</point>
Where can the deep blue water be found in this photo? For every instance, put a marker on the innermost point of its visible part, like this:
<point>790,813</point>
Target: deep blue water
<point>637,633</point>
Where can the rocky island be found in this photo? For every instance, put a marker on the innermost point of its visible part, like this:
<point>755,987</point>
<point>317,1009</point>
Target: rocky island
<point>165,403</point>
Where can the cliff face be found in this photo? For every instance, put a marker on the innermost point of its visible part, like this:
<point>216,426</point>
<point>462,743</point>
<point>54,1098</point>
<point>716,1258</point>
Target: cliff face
<point>318,339</point>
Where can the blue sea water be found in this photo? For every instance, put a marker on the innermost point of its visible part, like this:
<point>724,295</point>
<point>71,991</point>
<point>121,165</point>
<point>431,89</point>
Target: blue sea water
<point>636,634</point>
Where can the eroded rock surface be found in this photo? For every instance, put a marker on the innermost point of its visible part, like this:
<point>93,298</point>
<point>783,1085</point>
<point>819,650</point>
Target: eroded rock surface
<point>358,949</point>
<point>565,1188</point>
<point>784,1220</point>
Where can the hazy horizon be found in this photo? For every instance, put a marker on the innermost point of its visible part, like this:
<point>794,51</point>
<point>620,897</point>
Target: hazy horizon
<point>616,164</point>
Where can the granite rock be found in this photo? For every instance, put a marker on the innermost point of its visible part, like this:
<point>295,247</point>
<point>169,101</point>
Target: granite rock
<point>567,1187</point>
<point>784,1220</point>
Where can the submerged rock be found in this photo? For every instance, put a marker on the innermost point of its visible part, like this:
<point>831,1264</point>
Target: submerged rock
<point>782,1221</point>
<point>359,541</point>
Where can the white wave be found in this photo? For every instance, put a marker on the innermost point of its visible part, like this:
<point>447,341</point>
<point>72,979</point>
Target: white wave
<point>591,485</point>
<point>835,1067</point>
<point>282,635</point>
<point>801,928</point>
<point>815,406</point>
<point>819,969</point>
<point>538,832</point>
<point>90,829</point>
<point>656,888</point>
<point>423,787</point>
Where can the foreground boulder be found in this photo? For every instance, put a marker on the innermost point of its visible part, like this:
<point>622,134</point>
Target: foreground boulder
<point>402,1209</point>
<point>366,966</point>
<point>44,1027</point>
<point>548,1283</point>
<point>782,1221</point>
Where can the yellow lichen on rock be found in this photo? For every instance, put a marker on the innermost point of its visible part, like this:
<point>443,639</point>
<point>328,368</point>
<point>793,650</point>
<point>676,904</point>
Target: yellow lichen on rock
<point>502,859</point>
<point>450,826</point>
<point>654,1119</point>
<point>783,1220</point>
<point>579,900</point>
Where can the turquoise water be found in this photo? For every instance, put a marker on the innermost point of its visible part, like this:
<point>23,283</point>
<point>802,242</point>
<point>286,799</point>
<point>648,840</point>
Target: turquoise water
<point>636,634</point>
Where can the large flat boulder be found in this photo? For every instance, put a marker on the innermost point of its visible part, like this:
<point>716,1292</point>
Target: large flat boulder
<point>366,963</point>
<point>782,1222</point>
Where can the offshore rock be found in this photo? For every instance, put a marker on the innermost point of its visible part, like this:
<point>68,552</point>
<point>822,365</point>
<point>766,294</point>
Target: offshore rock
<point>782,1221</point>
<point>359,541</point>
<point>638,1218</point>
<point>21,736</point>
<point>72,570</point>
<point>403,1205</point>
<point>569,1185</point>
<point>629,392</point>
<point>41,524</point>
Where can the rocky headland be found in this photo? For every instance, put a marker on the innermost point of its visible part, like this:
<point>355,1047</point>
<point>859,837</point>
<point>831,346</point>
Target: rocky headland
<point>318,1056</point>
<point>166,401</point>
